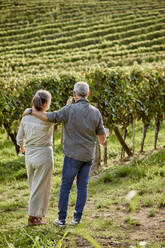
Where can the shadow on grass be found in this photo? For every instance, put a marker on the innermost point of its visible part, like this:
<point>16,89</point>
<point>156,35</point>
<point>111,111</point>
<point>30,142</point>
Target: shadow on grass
<point>14,169</point>
<point>136,170</point>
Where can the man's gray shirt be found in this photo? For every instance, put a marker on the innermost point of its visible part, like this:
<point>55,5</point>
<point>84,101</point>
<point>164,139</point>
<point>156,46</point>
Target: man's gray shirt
<point>82,123</point>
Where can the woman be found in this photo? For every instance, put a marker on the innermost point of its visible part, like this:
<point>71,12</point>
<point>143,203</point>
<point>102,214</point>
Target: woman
<point>37,137</point>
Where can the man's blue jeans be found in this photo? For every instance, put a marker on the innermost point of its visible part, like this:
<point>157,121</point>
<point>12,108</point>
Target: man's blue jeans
<point>74,168</point>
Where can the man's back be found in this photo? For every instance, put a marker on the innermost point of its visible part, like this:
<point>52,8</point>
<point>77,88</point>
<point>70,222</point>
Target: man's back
<point>82,122</point>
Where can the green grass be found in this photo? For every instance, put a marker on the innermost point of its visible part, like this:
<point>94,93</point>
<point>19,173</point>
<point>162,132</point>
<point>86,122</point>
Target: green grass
<point>109,219</point>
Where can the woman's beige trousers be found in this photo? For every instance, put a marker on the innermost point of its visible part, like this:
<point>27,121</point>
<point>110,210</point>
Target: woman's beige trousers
<point>39,165</point>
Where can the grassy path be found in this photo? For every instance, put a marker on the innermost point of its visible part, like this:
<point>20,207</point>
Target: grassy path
<point>110,219</point>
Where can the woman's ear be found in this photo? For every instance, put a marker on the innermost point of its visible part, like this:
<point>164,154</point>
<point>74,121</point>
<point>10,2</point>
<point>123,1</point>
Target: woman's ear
<point>45,106</point>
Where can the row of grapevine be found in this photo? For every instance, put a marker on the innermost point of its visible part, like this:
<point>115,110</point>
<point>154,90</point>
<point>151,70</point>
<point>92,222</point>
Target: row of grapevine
<point>67,11</point>
<point>121,96</point>
<point>81,61</point>
<point>45,31</point>
<point>94,37</point>
<point>41,37</point>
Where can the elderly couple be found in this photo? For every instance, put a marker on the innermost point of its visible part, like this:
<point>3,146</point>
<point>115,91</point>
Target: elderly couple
<point>82,123</point>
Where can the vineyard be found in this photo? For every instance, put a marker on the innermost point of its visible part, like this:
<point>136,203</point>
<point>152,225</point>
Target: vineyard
<point>123,98</point>
<point>117,47</point>
<point>39,37</point>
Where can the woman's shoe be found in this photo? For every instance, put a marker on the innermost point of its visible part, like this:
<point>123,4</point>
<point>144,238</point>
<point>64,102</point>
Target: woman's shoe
<point>35,221</point>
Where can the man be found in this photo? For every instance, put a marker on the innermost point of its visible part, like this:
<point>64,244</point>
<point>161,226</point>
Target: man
<point>82,123</point>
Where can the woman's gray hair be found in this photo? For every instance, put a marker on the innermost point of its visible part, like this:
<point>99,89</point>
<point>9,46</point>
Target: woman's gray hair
<point>41,97</point>
<point>81,89</point>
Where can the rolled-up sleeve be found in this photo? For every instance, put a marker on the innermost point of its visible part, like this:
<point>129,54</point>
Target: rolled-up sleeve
<point>21,134</point>
<point>58,116</point>
<point>100,127</point>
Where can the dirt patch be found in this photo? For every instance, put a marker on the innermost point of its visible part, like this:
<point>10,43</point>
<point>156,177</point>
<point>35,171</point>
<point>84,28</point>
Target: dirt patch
<point>151,229</point>
<point>130,229</point>
<point>148,229</point>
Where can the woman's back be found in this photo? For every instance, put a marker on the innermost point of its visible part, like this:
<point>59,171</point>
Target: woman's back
<point>35,132</point>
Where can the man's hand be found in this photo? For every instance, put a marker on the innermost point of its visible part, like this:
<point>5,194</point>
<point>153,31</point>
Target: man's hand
<point>102,140</point>
<point>27,111</point>
<point>39,114</point>
<point>69,101</point>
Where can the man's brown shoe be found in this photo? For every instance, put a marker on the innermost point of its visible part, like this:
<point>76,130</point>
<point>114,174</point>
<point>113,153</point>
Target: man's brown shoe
<point>35,221</point>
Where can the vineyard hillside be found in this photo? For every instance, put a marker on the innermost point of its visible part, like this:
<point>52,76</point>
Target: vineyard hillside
<point>45,36</point>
